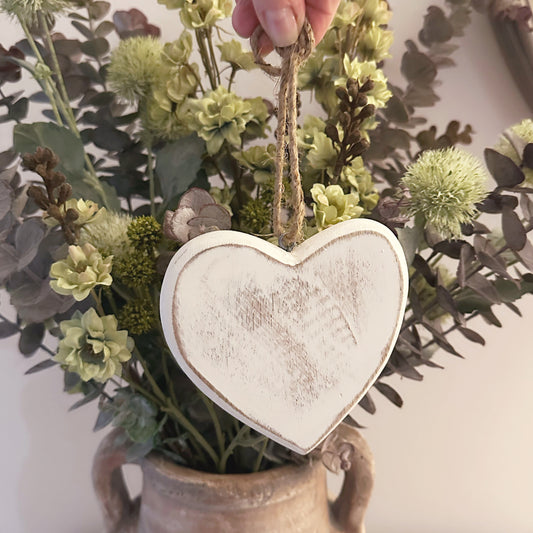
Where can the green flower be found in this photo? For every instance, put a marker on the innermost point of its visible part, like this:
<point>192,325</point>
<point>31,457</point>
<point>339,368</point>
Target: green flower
<point>178,52</point>
<point>512,143</point>
<point>92,347</point>
<point>183,83</point>
<point>136,67</point>
<point>108,233</point>
<point>332,205</point>
<point>88,212</point>
<point>444,186</point>
<point>322,155</point>
<point>28,10</point>
<point>362,71</point>
<point>172,4</point>
<point>232,52</point>
<point>260,160</point>
<point>163,118</point>
<point>138,316</point>
<point>144,233</point>
<point>358,177</point>
<point>204,13</point>
<point>375,11</point>
<point>375,43</point>
<point>347,13</point>
<point>220,116</point>
<point>84,269</point>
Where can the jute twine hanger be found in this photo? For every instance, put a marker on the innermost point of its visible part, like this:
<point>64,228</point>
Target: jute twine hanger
<point>292,58</point>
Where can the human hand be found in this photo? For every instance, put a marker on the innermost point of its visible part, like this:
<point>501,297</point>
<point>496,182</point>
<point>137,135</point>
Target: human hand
<point>282,20</point>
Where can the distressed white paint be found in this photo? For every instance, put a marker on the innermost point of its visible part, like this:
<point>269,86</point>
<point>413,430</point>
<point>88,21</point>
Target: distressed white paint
<point>286,342</point>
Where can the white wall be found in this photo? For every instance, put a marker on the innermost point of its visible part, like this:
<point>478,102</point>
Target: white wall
<point>456,458</point>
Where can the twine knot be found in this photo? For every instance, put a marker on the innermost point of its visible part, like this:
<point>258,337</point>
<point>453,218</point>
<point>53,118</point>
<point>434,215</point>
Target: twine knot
<point>292,58</point>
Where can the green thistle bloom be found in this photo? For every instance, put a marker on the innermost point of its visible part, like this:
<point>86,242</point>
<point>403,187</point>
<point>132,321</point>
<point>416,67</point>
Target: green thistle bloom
<point>332,205</point>
<point>135,270</point>
<point>136,67</point>
<point>138,316</point>
<point>84,269</point>
<point>512,143</point>
<point>92,347</point>
<point>220,116</point>
<point>144,233</point>
<point>28,10</point>
<point>108,233</point>
<point>444,186</point>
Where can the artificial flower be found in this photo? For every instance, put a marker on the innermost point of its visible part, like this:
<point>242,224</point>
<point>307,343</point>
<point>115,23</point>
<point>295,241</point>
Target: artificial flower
<point>93,347</point>
<point>80,272</point>
<point>445,186</point>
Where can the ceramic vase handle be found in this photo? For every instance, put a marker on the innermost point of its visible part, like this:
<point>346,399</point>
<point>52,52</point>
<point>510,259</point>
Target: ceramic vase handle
<point>119,511</point>
<point>350,507</point>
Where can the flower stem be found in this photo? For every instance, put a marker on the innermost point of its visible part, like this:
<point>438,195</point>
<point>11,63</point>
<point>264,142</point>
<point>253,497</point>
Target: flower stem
<point>150,172</point>
<point>261,455</point>
<point>168,407</point>
<point>216,422</point>
<point>229,450</point>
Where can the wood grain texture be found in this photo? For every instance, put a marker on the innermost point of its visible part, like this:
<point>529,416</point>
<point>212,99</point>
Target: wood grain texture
<point>286,342</point>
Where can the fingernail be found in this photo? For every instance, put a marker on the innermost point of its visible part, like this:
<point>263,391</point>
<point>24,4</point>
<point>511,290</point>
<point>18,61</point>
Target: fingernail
<point>281,26</point>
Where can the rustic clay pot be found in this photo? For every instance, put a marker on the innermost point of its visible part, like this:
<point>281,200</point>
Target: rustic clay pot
<point>289,499</point>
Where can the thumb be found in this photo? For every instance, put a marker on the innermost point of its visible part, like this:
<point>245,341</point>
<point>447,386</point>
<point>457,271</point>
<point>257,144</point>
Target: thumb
<point>281,20</point>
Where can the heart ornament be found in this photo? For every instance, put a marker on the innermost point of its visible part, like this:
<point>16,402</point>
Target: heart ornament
<point>287,343</point>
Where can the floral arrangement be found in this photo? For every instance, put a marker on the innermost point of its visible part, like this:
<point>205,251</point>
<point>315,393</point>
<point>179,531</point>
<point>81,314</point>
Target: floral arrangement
<point>146,145</point>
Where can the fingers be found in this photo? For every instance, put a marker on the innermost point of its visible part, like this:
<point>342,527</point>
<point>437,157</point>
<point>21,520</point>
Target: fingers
<point>282,20</point>
<point>320,13</point>
<point>244,18</point>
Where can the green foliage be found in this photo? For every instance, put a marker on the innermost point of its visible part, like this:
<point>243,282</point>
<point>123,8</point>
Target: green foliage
<point>186,130</point>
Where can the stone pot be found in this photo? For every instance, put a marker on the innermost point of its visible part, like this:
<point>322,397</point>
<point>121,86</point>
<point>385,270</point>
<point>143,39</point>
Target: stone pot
<point>288,499</point>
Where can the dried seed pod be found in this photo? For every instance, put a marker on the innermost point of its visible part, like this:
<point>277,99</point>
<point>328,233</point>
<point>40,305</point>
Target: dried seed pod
<point>55,179</point>
<point>54,212</point>
<point>367,112</point>
<point>38,195</point>
<point>71,215</point>
<point>367,86</point>
<point>65,191</point>
<point>332,132</point>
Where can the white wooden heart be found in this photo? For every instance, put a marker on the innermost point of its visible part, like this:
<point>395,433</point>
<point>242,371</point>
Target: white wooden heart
<point>286,342</point>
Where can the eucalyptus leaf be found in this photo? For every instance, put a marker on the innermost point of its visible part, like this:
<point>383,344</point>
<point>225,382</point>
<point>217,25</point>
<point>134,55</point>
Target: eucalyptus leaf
<point>8,329</point>
<point>27,240</point>
<point>177,165</point>
<point>503,169</point>
<point>513,230</point>
<point>31,338</point>
<point>389,393</point>
<point>43,365</point>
